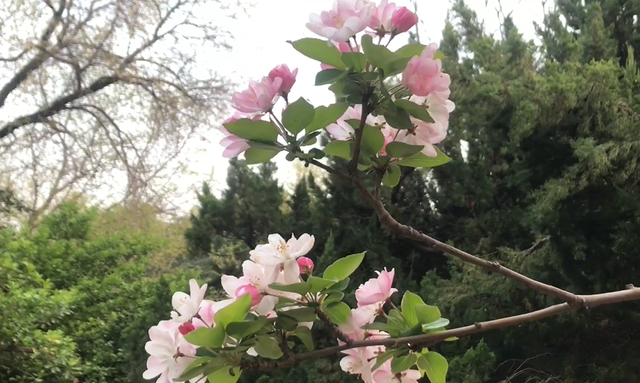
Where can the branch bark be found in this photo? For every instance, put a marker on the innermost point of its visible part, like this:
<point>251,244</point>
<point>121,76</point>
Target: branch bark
<point>630,294</point>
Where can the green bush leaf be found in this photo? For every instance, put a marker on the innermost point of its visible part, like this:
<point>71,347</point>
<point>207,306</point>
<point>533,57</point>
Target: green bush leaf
<point>408,306</point>
<point>338,312</point>
<point>427,314</point>
<point>248,129</point>
<point>435,365</point>
<point>319,284</point>
<point>259,156</point>
<point>298,288</point>
<point>403,363</point>
<point>422,161</point>
<point>398,118</point>
<point>206,337</point>
<point>354,60</point>
<point>319,50</point>
<point>437,324</point>
<point>340,149</point>
<point>415,110</point>
<point>304,334</point>
<point>298,115</point>
<point>343,267</point>
<point>268,347</point>
<point>239,330</point>
<point>329,76</point>
<point>335,296</point>
<point>378,55</point>
<point>303,314</point>
<point>401,150</point>
<point>225,375</point>
<point>326,115</point>
<point>391,177</point>
<point>235,312</point>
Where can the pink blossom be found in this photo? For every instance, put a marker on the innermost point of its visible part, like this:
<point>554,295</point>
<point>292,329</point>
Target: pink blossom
<point>260,97</point>
<point>376,290</point>
<point>169,353</point>
<point>403,20</point>
<point>342,47</point>
<point>256,297</point>
<point>233,145</point>
<point>423,74</point>
<point>205,314</point>
<point>384,375</point>
<point>288,77</point>
<point>389,134</point>
<point>283,254</point>
<point>305,265</point>
<point>358,318</point>
<point>381,21</point>
<point>341,130</point>
<point>345,19</point>
<point>359,361</point>
<point>186,306</point>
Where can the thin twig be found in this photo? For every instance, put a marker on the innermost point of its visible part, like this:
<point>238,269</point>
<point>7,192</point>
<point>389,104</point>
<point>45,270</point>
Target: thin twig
<point>353,165</point>
<point>332,327</point>
<point>591,301</point>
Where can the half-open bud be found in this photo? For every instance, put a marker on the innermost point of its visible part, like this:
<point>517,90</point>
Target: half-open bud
<point>306,265</point>
<point>256,297</point>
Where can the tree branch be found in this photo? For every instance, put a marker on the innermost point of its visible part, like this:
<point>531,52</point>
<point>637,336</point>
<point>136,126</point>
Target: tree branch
<point>591,301</point>
<point>353,165</point>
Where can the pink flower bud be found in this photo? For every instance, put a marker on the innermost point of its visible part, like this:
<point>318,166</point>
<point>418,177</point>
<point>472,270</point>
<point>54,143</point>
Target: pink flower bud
<point>403,20</point>
<point>306,265</point>
<point>256,297</point>
<point>288,77</point>
<point>186,328</point>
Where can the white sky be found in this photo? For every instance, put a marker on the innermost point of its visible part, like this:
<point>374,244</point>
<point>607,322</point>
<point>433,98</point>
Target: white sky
<point>260,44</point>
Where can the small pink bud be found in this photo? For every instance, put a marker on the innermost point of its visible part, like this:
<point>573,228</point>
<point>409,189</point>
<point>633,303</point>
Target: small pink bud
<point>288,77</point>
<point>306,265</point>
<point>403,20</point>
<point>186,328</point>
<point>256,297</point>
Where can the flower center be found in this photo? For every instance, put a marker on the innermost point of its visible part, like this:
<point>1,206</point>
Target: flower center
<point>338,21</point>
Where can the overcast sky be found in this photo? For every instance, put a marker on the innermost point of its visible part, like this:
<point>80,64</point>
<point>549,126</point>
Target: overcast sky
<point>260,44</point>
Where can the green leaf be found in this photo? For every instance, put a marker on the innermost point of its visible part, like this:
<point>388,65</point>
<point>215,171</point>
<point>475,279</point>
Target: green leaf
<point>340,149</point>
<point>354,60</point>
<point>298,288</point>
<point>408,306</point>
<point>398,118</point>
<point>391,177</point>
<point>235,312</point>
<point>303,314</point>
<point>284,322</point>
<point>197,367</point>
<point>427,314</point>
<point>372,140</point>
<point>326,115</point>
<point>319,284</point>
<point>268,347</point>
<point>343,267</point>
<point>401,150</point>
<point>338,312</point>
<point>319,50</point>
<point>414,330</point>
<point>377,326</point>
<point>415,110</point>
<point>253,130</point>
<point>225,375</point>
<point>403,363</point>
<point>439,323</point>
<point>298,115</point>
<point>239,330</point>
<point>422,161</point>
<point>304,334</point>
<point>340,286</point>
<point>259,156</point>
<point>329,76</point>
<point>396,319</point>
<point>206,337</point>
<point>335,296</point>
<point>435,365</point>
<point>378,55</point>
<point>410,50</point>
<point>383,358</point>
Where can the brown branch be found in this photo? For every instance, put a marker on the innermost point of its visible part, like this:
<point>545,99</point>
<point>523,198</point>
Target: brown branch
<point>332,327</point>
<point>591,301</point>
<point>408,232</point>
<point>353,165</point>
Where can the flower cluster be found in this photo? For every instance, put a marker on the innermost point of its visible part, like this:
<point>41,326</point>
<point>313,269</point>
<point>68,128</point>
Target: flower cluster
<point>276,261</point>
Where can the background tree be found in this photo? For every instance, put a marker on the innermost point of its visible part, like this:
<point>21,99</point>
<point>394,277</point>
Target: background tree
<point>99,94</point>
